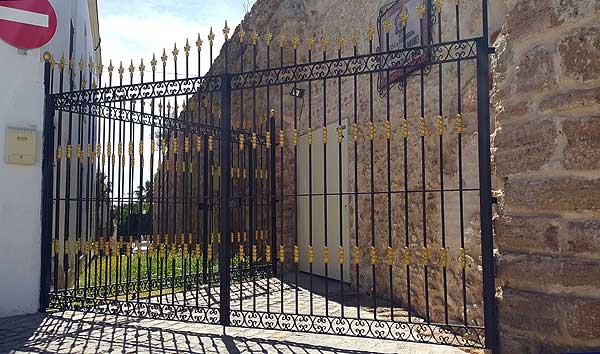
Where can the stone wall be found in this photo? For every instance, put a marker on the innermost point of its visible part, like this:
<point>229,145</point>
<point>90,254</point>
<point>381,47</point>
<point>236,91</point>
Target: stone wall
<point>546,96</point>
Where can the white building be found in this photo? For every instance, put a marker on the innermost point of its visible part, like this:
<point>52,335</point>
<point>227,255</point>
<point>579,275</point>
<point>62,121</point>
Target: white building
<point>22,106</point>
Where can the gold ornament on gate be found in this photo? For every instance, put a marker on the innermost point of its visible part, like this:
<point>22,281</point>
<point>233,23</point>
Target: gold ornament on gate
<point>444,258</point>
<point>388,130</point>
<point>459,123</point>
<point>407,256</point>
<point>463,259</point>
<point>356,255</point>
<point>404,17</point>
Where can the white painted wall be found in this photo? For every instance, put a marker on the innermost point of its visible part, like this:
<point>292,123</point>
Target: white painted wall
<point>21,105</point>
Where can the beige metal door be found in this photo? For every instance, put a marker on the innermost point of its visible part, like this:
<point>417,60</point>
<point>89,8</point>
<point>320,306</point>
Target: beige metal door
<point>334,229</point>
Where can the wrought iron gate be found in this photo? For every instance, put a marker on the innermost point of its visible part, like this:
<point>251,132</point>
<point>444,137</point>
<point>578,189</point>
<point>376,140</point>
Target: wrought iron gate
<point>215,199</point>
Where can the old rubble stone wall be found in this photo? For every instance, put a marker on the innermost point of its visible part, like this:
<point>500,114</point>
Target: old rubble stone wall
<point>546,96</point>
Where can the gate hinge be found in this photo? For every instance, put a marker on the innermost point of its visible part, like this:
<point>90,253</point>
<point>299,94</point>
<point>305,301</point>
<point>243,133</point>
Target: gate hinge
<point>492,50</point>
<point>494,200</point>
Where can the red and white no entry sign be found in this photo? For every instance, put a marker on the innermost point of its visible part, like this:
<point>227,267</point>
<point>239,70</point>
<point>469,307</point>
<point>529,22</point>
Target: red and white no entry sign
<point>27,23</point>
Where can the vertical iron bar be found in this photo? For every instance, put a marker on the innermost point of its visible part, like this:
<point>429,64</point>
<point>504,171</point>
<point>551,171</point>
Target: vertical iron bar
<point>225,210</point>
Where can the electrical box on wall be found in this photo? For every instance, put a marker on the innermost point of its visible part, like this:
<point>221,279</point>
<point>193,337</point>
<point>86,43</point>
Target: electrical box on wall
<point>20,146</point>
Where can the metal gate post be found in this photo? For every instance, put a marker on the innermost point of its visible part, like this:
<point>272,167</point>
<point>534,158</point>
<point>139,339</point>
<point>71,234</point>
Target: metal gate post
<point>485,195</point>
<point>225,199</point>
<point>47,183</point>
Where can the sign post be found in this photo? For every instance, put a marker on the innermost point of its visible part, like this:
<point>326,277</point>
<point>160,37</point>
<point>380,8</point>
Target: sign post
<point>27,24</point>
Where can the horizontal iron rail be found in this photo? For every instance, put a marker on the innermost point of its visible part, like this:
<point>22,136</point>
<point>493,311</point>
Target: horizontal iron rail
<point>445,52</point>
<point>409,58</point>
<point>148,119</point>
<point>149,90</point>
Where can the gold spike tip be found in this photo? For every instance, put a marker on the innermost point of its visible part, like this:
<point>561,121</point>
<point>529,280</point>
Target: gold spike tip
<point>355,39</point>
<point>131,68</point>
<point>438,5</point>
<point>421,10</point>
<point>91,64</point>
<point>47,57</point>
<point>142,67</point>
<point>295,42</point>
<point>226,31</point>
<point>311,43</point>
<point>153,62</point>
<point>187,48</point>
<point>324,43</point>
<point>211,36</point>
<point>404,17</point>
<point>199,42</point>
<point>255,37</point>
<point>81,64</point>
<point>282,40</point>
<point>61,64</point>
<point>52,62</point>
<point>242,34</point>
<point>164,57</point>
<point>71,63</point>
<point>269,38</point>
<point>121,69</point>
<point>371,33</point>
<point>387,25</point>
<point>339,40</point>
<point>175,51</point>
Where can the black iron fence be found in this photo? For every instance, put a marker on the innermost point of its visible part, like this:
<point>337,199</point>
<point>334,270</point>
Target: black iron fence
<point>294,187</point>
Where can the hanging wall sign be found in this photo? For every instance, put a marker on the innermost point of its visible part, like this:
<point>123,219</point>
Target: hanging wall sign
<point>414,34</point>
<point>27,24</point>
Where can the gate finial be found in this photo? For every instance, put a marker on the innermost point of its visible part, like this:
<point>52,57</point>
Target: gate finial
<point>131,69</point>
<point>199,42</point>
<point>242,34</point>
<point>164,57</point>
<point>153,62</point>
<point>187,48</point>
<point>211,37</point>
<point>226,31</point>
<point>121,70</point>
<point>339,40</point>
<point>355,39</point>
<point>175,52</point>
<point>370,32</point>
<point>404,17</point>
<point>142,67</point>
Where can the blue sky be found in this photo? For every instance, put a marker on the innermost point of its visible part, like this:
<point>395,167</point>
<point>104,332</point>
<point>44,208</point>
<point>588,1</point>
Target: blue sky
<point>136,29</point>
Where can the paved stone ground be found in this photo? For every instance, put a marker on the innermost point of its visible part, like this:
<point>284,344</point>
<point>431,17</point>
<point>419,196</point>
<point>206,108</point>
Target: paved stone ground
<point>77,332</point>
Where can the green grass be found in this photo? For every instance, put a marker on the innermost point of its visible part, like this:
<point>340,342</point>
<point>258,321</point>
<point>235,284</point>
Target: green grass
<point>97,271</point>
